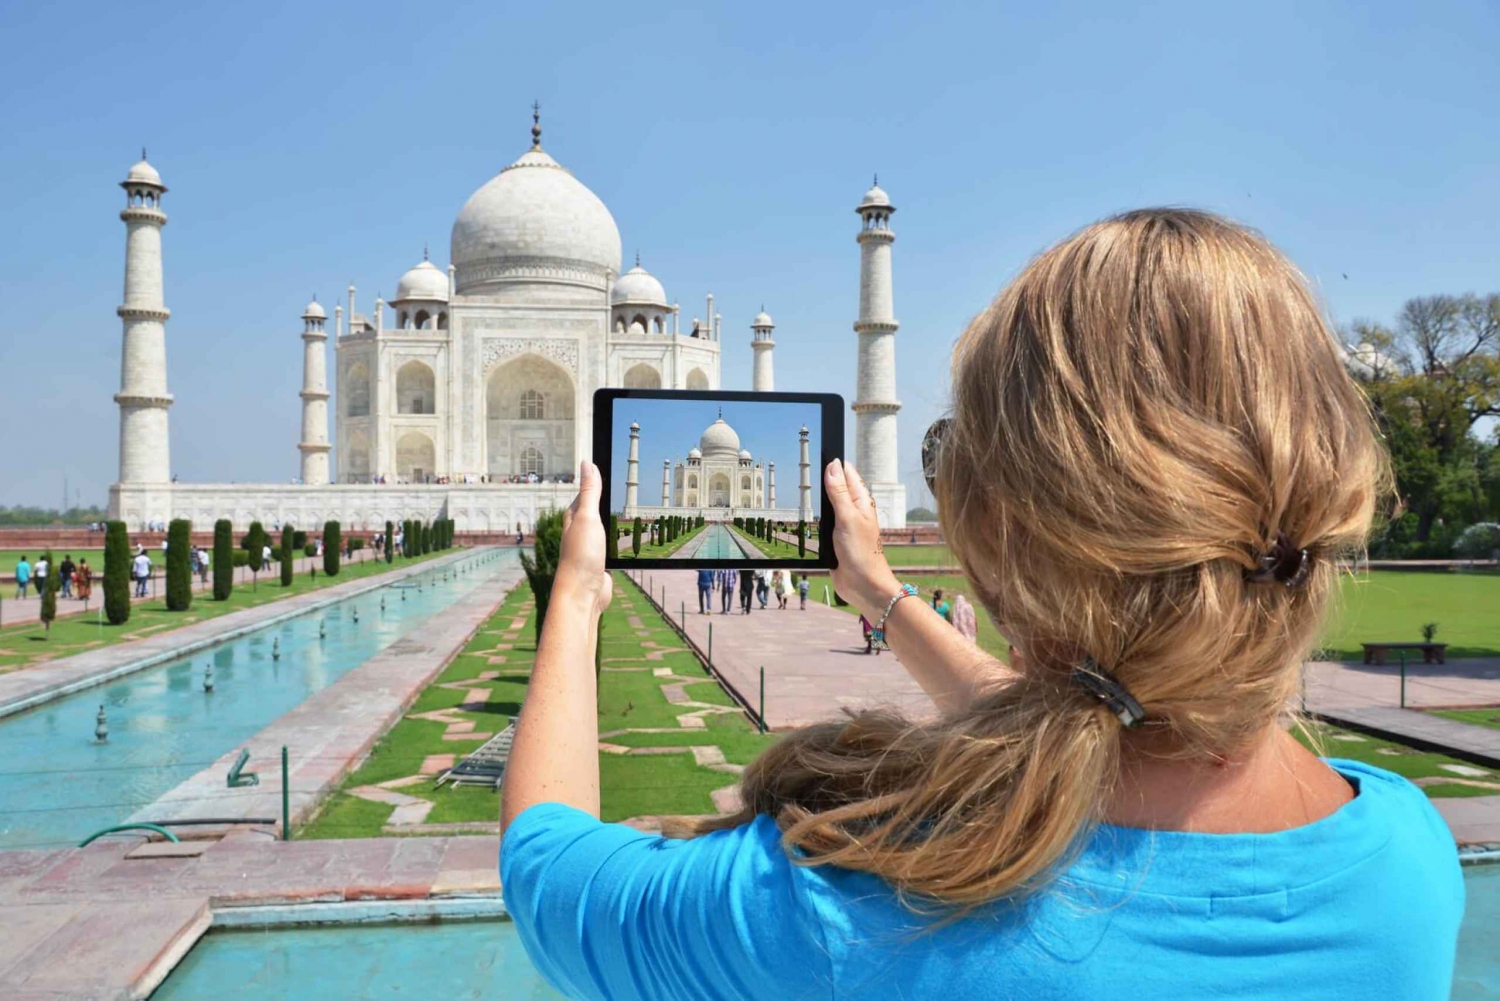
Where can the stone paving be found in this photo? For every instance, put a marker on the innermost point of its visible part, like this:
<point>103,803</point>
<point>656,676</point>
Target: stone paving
<point>815,660</point>
<point>28,687</point>
<point>111,920</point>
<point>330,733</point>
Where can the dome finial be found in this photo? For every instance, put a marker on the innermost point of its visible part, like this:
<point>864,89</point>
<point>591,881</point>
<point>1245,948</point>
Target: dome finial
<point>875,183</point>
<point>721,411</point>
<point>536,124</point>
<point>143,152</point>
<point>424,250</point>
<point>637,258</point>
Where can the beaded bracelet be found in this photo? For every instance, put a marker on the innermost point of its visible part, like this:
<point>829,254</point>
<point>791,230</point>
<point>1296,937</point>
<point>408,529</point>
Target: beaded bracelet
<point>877,634</point>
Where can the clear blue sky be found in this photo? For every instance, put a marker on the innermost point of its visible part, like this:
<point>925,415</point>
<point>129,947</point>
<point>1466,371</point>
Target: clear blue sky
<point>670,427</point>
<point>310,144</point>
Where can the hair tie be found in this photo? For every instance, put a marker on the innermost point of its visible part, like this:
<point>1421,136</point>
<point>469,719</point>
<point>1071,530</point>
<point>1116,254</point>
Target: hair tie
<point>1107,689</point>
<point>1283,563</point>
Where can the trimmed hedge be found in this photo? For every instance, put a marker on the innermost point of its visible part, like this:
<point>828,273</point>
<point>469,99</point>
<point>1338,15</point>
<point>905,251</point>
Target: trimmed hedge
<point>223,565</point>
<point>179,565</point>
<point>50,587</point>
<point>116,574</point>
<point>288,554</point>
<point>613,540</point>
<point>390,542</point>
<point>333,545</point>
<point>635,537</point>
<point>254,544</point>
<point>541,568</point>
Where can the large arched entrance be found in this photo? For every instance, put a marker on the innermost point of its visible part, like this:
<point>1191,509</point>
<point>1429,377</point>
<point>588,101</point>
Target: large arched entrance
<point>718,490</point>
<point>529,408</point>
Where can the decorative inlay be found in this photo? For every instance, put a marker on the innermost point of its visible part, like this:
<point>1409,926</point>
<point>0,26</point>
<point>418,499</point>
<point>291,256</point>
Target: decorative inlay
<point>499,349</point>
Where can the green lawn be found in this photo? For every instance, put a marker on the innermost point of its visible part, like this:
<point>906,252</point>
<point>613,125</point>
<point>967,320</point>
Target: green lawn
<point>919,556</point>
<point>1392,605</point>
<point>10,557</point>
<point>1409,762</point>
<point>29,644</point>
<point>630,699</point>
<point>778,549</point>
<point>650,552</point>
<point>950,584</point>
<point>1478,717</point>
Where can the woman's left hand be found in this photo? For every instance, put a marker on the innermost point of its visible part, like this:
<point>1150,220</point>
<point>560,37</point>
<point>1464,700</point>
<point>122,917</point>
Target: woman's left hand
<point>580,566</point>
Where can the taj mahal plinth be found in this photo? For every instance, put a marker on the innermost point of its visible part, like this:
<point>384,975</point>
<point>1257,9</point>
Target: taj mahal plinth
<point>469,394</point>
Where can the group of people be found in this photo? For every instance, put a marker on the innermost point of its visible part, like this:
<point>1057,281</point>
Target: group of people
<point>75,580</point>
<point>752,585</point>
<point>958,613</point>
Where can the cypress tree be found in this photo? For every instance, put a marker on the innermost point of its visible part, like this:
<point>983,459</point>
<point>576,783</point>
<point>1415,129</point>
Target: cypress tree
<point>179,565</point>
<point>635,537</point>
<point>612,543</point>
<point>408,540</point>
<point>116,574</point>
<point>802,538</point>
<point>223,559</point>
<point>541,567</point>
<point>254,542</point>
<point>390,542</point>
<point>49,593</point>
<point>332,547</point>
<point>288,554</point>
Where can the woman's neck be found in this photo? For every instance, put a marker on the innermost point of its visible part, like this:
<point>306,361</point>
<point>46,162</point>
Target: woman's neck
<point>1273,785</point>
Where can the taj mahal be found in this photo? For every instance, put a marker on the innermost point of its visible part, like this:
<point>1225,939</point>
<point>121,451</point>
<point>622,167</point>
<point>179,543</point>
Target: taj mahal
<point>469,394</point>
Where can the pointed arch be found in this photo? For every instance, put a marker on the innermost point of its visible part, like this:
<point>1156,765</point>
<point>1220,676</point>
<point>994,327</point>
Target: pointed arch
<point>416,389</point>
<point>642,376</point>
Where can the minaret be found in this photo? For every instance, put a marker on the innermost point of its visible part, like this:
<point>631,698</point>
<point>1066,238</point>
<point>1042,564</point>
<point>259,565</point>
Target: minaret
<point>143,396</point>
<point>762,344</point>
<point>771,485</point>
<point>314,444</point>
<point>666,483</point>
<point>804,479</point>
<point>875,404</point>
<point>631,465</point>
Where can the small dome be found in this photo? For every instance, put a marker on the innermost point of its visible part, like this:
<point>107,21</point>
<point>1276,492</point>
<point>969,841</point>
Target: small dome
<point>719,441</point>
<point>745,454</point>
<point>314,311</point>
<point>425,281</point>
<point>142,172</point>
<point>694,453</point>
<point>533,214</point>
<point>634,426</point>
<point>638,285</point>
<point>762,319</point>
<point>875,198</point>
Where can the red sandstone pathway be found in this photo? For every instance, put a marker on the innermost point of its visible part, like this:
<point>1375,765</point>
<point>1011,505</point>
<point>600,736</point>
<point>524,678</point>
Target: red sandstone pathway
<point>815,661</point>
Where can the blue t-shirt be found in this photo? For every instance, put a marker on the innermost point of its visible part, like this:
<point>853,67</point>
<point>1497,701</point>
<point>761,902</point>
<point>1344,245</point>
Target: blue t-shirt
<point>1363,903</point>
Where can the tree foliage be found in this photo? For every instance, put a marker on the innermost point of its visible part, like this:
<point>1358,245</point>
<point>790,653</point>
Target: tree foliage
<point>116,574</point>
<point>50,585</point>
<point>333,544</point>
<point>288,554</point>
<point>223,559</point>
<point>390,541</point>
<point>541,565</point>
<point>179,565</point>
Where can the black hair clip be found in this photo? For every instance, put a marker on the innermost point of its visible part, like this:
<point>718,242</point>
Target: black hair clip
<point>1283,563</point>
<point>1107,689</point>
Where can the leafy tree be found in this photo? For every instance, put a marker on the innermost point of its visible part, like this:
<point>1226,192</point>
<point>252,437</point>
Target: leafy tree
<point>635,537</point>
<point>116,574</point>
<point>179,565</point>
<point>390,541</point>
<point>299,540</point>
<point>541,567</point>
<point>921,514</point>
<point>50,586</point>
<point>288,554</point>
<point>223,558</point>
<point>333,544</point>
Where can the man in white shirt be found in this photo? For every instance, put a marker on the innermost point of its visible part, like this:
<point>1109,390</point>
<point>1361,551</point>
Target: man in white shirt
<point>265,558</point>
<point>141,570</point>
<point>39,571</point>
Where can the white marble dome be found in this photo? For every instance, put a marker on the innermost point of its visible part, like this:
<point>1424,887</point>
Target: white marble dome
<point>314,311</point>
<point>745,454</point>
<point>875,198</point>
<point>638,286</point>
<point>762,319</point>
<point>142,172</point>
<point>425,281</point>
<point>534,214</point>
<point>695,453</point>
<point>719,441</point>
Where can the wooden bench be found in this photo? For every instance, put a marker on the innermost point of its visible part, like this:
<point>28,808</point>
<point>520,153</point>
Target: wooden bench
<point>1375,652</point>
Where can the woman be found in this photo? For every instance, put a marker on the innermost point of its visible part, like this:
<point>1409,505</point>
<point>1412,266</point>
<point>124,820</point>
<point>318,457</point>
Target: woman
<point>963,618</point>
<point>83,579</point>
<point>1154,459</point>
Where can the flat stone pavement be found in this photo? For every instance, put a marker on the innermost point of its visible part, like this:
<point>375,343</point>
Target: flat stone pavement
<point>815,660</point>
<point>1369,697</point>
<point>111,920</point>
<point>31,686</point>
<point>329,734</point>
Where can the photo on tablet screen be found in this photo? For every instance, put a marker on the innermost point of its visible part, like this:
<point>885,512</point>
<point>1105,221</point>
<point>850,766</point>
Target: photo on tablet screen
<point>720,480</point>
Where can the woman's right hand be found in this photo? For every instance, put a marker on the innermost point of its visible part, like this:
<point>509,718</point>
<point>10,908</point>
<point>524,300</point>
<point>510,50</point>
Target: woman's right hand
<point>863,577</point>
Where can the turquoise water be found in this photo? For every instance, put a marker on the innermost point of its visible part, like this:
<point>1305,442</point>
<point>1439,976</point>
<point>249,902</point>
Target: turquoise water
<point>717,544</point>
<point>452,961</point>
<point>58,784</point>
<point>1477,973</point>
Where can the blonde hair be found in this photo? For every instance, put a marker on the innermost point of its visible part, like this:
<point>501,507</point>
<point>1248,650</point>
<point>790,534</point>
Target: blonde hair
<point>1137,418</point>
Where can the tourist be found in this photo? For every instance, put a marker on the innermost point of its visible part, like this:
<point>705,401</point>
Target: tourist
<point>705,592</point>
<point>941,606</point>
<point>802,588</point>
<point>39,575</point>
<point>265,557</point>
<point>1118,813</point>
<point>23,576</point>
<point>963,618</point>
<point>762,586</point>
<point>141,571</point>
<point>747,590</point>
<point>83,579</point>
<point>727,580</point>
<point>203,566</point>
<point>65,571</point>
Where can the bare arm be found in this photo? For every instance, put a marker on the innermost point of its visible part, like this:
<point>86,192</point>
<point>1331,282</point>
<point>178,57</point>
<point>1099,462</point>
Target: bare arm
<point>949,668</point>
<point>555,757</point>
